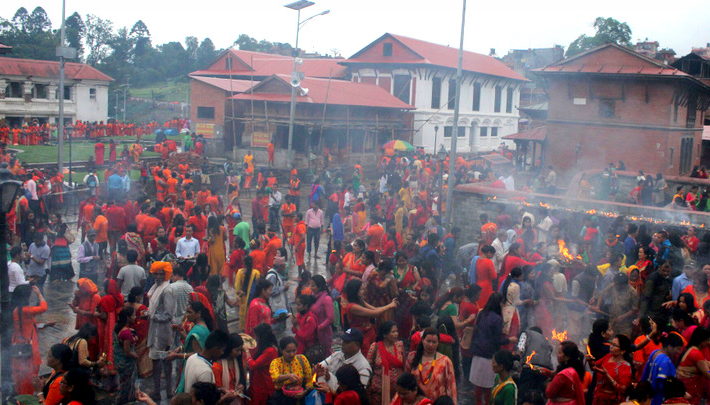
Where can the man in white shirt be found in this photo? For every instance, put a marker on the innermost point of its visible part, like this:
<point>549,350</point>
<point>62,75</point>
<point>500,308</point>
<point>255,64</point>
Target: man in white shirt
<point>198,367</point>
<point>347,198</point>
<point>14,271</point>
<point>187,247</point>
<point>275,201</point>
<point>350,354</point>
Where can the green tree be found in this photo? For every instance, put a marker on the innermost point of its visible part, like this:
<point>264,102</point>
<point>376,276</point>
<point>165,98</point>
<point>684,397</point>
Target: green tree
<point>607,30</point>
<point>142,44</point>
<point>38,22</point>
<point>75,31</point>
<point>205,53</point>
<point>99,33</point>
<point>21,19</point>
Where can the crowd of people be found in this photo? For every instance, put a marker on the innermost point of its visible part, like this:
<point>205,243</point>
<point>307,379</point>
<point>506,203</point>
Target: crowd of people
<point>40,133</point>
<point>540,306</point>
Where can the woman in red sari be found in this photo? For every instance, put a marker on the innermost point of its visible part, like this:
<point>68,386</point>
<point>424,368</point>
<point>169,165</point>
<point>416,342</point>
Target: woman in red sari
<point>352,266</point>
<point>25,369</point>
<point>614,373</point>
<point>140,326</point>
<point>644,264</point>
<point>381,289</point>
<point>566,386</point>
<point>106,312</point>
<point>357,314</point>
<point>386,357</point>
<point>259,311</point>
<point>408,278</point>
<point>693,367</point>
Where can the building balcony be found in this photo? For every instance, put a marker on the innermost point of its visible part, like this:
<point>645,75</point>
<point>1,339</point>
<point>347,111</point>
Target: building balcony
<point>36,107</point>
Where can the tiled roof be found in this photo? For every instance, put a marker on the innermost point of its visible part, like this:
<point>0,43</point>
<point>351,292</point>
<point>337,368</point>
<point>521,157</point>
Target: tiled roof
<point>536,134</point>
<point>47,68</point>
<point>324,91</point>
<point>235,86</point>
<point>428,53</point>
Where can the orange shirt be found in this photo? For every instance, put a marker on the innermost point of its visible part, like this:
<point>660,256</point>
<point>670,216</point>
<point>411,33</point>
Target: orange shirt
<point>172,185</point>
<point>375,232</point>
<point>259,260</point>
<point>202,197</point>
<point>167,214</point>
<point>189,206</point>
<point>150,226</point>
<point>87,213</point>
<point>101,227</point>
<point>270,181</point>
<point>270,251</point>
<point>288,209</point>
<point>213,201</point>
<point>299,233</point>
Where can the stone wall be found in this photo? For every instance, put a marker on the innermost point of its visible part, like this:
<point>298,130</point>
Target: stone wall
<point>471,200</point>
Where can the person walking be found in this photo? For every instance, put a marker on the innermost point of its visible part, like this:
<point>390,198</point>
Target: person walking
<point>314,221</point>
<point>25,333</point>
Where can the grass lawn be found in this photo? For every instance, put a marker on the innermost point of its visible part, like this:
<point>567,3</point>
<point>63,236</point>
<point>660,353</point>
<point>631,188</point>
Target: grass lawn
<point>81,151</point>
<point>167,91</point>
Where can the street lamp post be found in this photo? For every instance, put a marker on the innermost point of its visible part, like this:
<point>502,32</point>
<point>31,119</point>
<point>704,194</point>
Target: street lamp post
<point>70,130</point>
<point>8,193</point>
<point>436,136</point>
<point>454,130</point>
<point>295,76</point>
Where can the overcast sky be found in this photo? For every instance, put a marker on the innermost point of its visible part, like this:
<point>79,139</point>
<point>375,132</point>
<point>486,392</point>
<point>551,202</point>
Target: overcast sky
<point>503,25</point>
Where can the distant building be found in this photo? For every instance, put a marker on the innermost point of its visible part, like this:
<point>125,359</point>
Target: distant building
<point>5,49</point>
<point>611,103</point>
<point>29,90</point>
<point>242,100</point>
<point>525,60</point>
<point>650,49</point>
<point>704,51</point>
<point>423,74</point>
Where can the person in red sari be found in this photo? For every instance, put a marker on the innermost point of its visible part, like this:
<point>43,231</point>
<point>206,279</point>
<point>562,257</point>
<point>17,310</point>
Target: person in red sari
<point>386,357</point>
<point>140,326</point>
<point>229,371</point>
<point>262,386</point>
<point>99,149</point>
<point>614,373</point>
<point>259,311</point>
<point>112,152</point>
<point>86,299</point>
<point>512,260</point>
<point>106,312</point>
<point>25,369</point>
<point>485,273</point>
<point>409,392</point>
<point>693,368</point>
<point>566,386</point>
<point>357,314</point>
<point>305,326</point>
<point>674,392</point>
<point>644,264</point>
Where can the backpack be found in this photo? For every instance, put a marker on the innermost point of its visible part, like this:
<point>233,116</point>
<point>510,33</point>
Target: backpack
<point>91,181</point>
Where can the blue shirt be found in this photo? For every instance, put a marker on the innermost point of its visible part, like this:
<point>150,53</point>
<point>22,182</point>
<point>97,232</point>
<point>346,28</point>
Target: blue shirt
<point>115,182</point>
<point>629,245</point>
<point>679,284</point>
<point>337,226</point>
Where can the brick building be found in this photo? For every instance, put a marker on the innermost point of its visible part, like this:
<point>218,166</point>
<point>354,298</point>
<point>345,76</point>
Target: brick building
<point>611,103</point>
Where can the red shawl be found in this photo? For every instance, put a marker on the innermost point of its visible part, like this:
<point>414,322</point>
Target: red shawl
<point>572,375</point>
<point>200,295</point>
<point>112,302</point>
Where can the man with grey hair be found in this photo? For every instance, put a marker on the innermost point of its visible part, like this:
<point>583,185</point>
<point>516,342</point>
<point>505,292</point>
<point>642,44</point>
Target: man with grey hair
<point>499,245</point>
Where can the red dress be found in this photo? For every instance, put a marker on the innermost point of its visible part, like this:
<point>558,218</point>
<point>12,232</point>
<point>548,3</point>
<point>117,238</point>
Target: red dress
<point>24,370</point>
<point>259,312</point>
<point>604,392</point>
<point>363,323</point>
<point>99,149</point>
<point>261,387</point>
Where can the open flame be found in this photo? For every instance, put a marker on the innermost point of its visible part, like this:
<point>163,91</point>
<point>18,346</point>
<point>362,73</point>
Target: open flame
<point>591,212</point>
<point>313,380</point>
<point>544,205</point>
<point>561,336</point>
<point>565,252</point>
<point>529,358</point>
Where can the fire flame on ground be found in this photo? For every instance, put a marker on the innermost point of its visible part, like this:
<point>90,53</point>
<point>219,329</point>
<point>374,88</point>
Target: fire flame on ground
<point>561,336</point>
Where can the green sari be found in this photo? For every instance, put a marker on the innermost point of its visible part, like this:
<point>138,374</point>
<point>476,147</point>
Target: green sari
<point>199,333</point>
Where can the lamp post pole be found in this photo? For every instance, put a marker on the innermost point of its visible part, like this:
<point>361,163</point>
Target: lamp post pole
<point>295,76</point>
<point>292,113</point>
<point>455,131</point>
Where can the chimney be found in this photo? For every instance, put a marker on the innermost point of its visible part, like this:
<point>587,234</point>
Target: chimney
<point>493,51</point>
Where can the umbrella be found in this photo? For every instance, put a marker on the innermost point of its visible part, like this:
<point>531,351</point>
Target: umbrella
<point>399,145</point>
